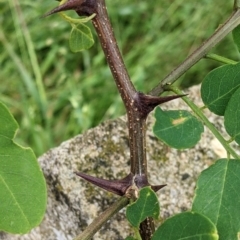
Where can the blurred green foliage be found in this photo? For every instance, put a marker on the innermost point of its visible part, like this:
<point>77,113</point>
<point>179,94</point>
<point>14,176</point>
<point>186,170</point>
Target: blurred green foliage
<point>55,94</point>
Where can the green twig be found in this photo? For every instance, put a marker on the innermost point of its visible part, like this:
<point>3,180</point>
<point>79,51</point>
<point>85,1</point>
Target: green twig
<point>205,120</point>
<point>232,22</point>
<point>137,234</point>
<point>102,219</point>
<point>220,59</point>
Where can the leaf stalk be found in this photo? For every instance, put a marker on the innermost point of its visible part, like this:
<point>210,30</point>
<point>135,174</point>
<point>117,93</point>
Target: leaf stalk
<point>220,59</point>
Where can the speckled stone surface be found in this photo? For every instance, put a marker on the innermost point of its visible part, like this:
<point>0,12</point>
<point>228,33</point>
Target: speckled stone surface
<point>103,152</point>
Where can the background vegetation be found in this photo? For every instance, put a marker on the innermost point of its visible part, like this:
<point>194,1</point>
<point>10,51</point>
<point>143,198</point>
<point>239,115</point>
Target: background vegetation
<point>55,94</point>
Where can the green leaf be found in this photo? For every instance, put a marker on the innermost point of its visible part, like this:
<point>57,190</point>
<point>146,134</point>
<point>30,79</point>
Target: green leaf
<point>236,36</point>
<point>146,205</point>
<point>80,38</point>
<point>217,196</point>
<point>22,185</point>
<point>232,116</point>
<point>178,129</point>
<point>187,225</point>
<point>218,87</point>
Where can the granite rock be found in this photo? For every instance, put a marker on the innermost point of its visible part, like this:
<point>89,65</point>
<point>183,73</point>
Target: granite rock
<point>104,152</point>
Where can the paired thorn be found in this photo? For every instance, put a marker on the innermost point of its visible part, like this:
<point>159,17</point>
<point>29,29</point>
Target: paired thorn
<point>118,187</point>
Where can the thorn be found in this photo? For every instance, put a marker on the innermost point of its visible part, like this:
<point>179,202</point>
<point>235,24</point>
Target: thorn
<point>69,5</point>
<point>154,101</point>
<point>146,103</point>
<point>118,187</point>
<point>141,181</point>
<point>158,187</point>
<point>82,7</point>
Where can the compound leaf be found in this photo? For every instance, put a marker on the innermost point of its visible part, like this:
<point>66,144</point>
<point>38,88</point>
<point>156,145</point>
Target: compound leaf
<point>217,196</point>
<point>218,87</point>
<point>187,225</point>
<point>146,205</point>
<point>22,185</point>
<point>232,116</point>
<point>178,129</point>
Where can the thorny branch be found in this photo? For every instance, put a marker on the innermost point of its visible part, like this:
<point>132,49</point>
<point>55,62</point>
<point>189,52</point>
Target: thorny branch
<point>138,105</point>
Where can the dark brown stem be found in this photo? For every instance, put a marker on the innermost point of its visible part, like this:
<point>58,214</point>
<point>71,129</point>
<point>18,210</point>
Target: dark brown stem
<point>132,102</point>
<point>138,105</point>
<point>109,45</point>
<point>130,97</point>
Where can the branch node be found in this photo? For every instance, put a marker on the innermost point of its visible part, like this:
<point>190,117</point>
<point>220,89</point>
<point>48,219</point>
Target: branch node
<point>146,103</point>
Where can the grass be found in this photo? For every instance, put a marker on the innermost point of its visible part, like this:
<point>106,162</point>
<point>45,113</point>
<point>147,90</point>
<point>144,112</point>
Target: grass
<point>55,94</point>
